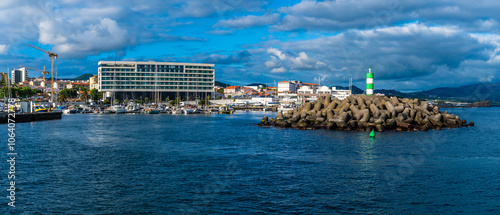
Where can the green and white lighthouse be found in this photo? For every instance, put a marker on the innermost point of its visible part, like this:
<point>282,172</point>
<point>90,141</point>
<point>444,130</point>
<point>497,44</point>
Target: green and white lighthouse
<point>369,82</point>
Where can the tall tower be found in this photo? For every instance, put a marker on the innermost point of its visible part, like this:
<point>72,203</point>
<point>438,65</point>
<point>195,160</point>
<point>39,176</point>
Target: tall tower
<point>369,82</point>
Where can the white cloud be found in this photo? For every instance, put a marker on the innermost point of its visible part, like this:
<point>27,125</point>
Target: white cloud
<point>249,21</point>
<point>105,36</point>
<point>278,70</point>
<point>294,62</point>
<point>4,48</point>
<point>367,14</point>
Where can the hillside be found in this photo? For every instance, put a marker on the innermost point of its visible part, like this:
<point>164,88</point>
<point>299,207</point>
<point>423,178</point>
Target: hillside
<point>473,92</point>
<point>85,76</point>
<point>220,84</point>
<point>355,90</point>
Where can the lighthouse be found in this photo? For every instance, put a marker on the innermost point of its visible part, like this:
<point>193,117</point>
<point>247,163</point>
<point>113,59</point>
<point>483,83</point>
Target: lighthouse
<point>369,82</point>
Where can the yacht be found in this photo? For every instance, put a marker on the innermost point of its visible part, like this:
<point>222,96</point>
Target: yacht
<point>118,109</point>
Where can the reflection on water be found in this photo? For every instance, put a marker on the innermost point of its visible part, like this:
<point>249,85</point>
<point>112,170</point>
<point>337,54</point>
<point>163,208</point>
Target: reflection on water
<point>220,164</point>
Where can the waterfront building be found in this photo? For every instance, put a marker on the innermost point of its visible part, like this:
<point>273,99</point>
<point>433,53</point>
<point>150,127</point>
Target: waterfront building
<point>311,92</point>
<point>155,80</point>
<point>287,97</point>
<point>324,90</point>
<point>19,75</point>
<point>340,94</point>
<point>285,86</point>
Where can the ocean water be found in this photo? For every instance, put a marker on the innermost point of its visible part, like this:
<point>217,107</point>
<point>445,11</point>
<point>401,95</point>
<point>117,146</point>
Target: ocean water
<point>224,164</point>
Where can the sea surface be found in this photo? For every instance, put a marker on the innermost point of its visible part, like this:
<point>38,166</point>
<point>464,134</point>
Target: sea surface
<point>225,164</point>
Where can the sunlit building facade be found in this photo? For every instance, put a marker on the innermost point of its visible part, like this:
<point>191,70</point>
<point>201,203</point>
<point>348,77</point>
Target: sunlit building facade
<point>155,80</point>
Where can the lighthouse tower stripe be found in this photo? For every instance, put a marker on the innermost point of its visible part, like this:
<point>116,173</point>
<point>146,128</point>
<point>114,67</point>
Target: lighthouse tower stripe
<point>369,82</point>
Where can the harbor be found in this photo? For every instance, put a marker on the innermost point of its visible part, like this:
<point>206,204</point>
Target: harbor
<point>29,117</point>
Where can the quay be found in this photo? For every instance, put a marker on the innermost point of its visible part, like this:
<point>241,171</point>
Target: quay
<point>30,117</point>
<point>256,108</point>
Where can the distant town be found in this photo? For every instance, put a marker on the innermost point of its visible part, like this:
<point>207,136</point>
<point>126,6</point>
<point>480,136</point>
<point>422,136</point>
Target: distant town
<point>119,82</point>
<point>159,81</point>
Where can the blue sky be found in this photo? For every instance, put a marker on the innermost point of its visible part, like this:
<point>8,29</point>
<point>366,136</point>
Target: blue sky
<point>411,45</point>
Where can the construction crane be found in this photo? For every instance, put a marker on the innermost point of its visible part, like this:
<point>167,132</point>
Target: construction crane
<point>43,71</point>
<point>53,56</point>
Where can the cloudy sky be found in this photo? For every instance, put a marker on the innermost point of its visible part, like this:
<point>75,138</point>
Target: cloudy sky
<point>411,45</point>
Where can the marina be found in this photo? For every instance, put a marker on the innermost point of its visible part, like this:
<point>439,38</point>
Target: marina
<point>205,164</point>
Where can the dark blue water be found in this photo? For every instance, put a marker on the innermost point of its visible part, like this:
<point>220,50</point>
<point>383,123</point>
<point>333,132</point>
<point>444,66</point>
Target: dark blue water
<point>224,164</point>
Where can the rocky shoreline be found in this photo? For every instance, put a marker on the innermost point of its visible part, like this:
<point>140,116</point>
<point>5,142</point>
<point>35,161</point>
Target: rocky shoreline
<point>364,113</point>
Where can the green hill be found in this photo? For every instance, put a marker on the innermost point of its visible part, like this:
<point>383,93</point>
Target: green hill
<point>85,76</point>
<point>218,83</point>
<point>471,93</point>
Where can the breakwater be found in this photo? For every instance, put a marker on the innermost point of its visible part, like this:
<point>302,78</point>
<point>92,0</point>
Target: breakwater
<point>30,117</point>
<point>361,112</point>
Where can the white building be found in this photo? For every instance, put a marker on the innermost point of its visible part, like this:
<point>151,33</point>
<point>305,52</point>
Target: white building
<point>287,97</point>
<point>307,89</point>
<point>255,86</point>
<point>19,75</point>
<point>340,94</point>
<point>288,86</point>
<point>155,80</point>
<point>60,85</point>
<point>324,90</point>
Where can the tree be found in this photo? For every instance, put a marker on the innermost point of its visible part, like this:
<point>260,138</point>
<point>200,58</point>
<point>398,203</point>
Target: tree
<point>229,96</point>
<point>137,101</point>
<point>188,98</point>
<point>125,101</point>
<point>68,93</point>
<point>105,101</point>
<point>146,100</point>
<point>61,99</point>
<point>201,102</point>
<point>209,97</point>
<point>85,94</point>
<point>94,94</point>
<point>220,90</point>
<point>117,101</point>
<point>167,99</point>
<point>219,97</point>
<point>175,101</point>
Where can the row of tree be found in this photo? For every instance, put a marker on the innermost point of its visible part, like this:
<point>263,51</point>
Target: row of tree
<point>23,92</point>
<point>85,95</point>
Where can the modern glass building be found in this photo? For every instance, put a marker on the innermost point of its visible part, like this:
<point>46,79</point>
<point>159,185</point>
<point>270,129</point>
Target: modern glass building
<point>155,80</point>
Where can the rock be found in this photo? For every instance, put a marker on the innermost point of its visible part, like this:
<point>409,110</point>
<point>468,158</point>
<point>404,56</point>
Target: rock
<point>436,120</point>
<point>279,116</point>
<point>360,112</point>
<point>330,126</point>
<point>471,124</point>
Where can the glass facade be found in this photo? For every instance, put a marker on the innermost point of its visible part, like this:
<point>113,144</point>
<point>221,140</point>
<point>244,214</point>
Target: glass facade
<point>123,76</point>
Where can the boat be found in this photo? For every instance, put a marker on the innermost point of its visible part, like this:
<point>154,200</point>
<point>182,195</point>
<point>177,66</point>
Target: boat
<point>41,110</point>
<point>69,111</point>
<point>188,111</point>
<point>118,109</point>
<point>132,108</point>
<point>151,111</point>
<point>177,112</point>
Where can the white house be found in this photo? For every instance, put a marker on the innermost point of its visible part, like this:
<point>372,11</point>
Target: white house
<point>286,86</point>
<point>340,94</point>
